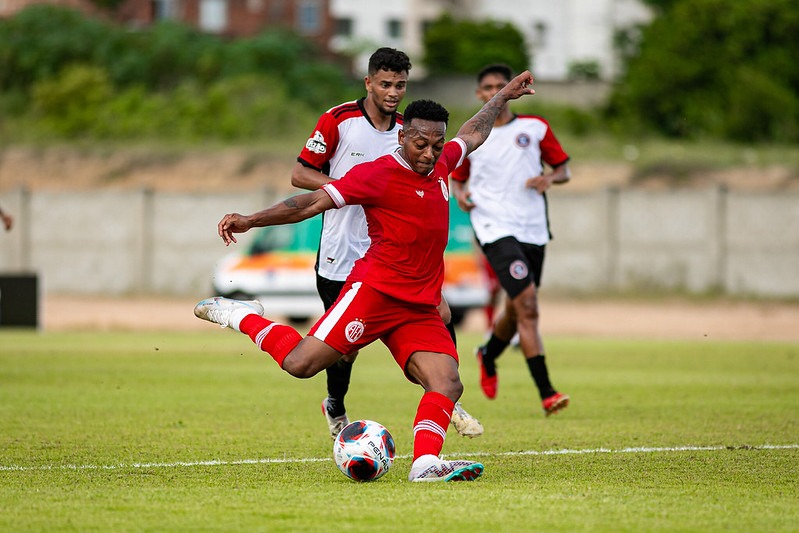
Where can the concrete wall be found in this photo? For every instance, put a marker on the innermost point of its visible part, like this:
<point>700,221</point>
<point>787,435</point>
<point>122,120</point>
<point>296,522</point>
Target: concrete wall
<point>118,243</point>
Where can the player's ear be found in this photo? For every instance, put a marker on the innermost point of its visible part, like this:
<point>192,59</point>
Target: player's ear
<point>401,136</point>
<point>367,83</point>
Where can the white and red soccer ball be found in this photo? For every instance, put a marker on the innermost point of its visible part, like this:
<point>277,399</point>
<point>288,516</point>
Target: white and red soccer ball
<point>364,450</point>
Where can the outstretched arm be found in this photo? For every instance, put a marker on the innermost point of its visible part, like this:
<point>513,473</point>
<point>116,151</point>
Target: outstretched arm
<point>288,211</point>
<point>475,130</point>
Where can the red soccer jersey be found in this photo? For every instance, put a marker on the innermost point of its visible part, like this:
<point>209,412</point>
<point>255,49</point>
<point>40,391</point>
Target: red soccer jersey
<point>408,220</point>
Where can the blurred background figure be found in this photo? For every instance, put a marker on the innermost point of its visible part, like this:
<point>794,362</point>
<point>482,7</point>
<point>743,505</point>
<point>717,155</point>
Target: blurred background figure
<point>506,200</point>
<point>8,220</point>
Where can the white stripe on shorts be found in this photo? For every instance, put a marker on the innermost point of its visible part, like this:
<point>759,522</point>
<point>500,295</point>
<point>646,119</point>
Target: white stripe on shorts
<point>330,321</point>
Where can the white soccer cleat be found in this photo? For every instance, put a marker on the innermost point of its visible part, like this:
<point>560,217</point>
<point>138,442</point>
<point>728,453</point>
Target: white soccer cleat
<point>219,311</point>
<point>431,468</point>
<point>464,423</point>
<point>334,423</point>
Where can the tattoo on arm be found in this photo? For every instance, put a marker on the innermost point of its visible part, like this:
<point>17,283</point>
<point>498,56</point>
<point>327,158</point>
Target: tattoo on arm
<point>481,124</point>
<point>291,202</point>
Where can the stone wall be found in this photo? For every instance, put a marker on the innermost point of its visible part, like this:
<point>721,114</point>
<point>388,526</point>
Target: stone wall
<point>145,242</point>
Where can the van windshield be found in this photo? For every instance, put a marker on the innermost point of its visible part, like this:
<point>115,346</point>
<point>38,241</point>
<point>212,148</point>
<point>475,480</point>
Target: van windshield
<point>300,237</point>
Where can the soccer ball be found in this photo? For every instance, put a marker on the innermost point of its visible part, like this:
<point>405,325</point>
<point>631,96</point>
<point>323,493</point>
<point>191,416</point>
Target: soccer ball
<point>364,450</point>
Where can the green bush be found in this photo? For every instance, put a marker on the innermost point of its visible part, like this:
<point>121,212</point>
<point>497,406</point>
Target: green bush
<point>66,76</point>
<point>68,103</point>
<point>41,40</point>
<point>584,70</point>
<point>715,68</point>
<point>80,104</point>
<point>465,46</point>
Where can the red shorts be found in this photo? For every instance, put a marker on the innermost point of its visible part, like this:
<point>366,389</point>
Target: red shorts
<point>361,315</point>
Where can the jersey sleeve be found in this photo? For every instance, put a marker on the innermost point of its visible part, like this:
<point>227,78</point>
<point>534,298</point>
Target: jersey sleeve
<point>360,186</point>
<point>461,173</point>
<point>453,155</point>
<point>551,151</point>
<point>322,144</point>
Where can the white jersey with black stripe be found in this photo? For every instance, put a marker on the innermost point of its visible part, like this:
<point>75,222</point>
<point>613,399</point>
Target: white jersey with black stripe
<point>345,137</point>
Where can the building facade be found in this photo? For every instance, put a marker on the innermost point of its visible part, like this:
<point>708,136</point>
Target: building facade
<point>227,18</point>
<point>561,36</point>
<point>236,18</point>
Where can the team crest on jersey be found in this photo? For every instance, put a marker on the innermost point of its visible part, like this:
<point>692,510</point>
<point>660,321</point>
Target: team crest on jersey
<point>354,330</point>
<point>316,143</point>
<point>444,189</point>
<point>523,140</point>
<point>518,270</point>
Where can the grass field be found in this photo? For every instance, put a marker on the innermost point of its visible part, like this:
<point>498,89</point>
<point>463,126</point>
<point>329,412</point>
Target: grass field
<point>178,432</point>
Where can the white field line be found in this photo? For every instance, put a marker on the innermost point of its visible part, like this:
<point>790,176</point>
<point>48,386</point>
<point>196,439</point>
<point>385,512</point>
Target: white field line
<point>217,462</point>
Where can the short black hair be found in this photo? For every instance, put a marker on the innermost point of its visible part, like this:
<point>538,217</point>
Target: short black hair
<point>497,68</point>
<point>425,110</point>
<point>389,59</point>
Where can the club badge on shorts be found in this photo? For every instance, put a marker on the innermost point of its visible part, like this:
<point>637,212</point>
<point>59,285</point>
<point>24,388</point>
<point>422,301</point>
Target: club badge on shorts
<point>354,330</point>
<point>518,270</point>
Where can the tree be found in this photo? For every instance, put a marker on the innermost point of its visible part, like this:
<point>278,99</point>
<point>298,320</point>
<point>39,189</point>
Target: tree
<point>465,46</point>
<point>716,68</point>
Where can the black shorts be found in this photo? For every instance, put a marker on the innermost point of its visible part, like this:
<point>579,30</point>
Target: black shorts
<point>516,264</point>
<point>328,290</point>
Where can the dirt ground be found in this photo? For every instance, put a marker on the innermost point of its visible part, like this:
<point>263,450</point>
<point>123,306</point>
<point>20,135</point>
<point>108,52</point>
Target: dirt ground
<point>65,169</point>
<point>667,319</point>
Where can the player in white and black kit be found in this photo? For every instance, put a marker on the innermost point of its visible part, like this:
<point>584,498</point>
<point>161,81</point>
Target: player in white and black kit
<point>346,135</point>
<point>506,200</point>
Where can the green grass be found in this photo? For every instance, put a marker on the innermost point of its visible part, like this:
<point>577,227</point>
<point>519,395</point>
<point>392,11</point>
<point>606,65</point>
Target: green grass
<point>94,426</point>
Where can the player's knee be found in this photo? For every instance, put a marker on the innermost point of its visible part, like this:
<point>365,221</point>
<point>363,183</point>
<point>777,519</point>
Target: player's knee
<point>525,305</point>
<point>451,387</point>
<point>457,389</point>
<point>529,314</point>
<point>300,367</point>
<point>350,357</point>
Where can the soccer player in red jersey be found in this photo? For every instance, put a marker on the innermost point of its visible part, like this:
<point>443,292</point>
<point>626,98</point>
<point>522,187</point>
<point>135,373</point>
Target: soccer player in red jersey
<point>392,292</point>
<point>344,136</point>
<point>506,201</point>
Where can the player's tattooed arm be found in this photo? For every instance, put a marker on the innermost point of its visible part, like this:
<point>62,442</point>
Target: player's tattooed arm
<point>290,210</point>
<point>475,131</point>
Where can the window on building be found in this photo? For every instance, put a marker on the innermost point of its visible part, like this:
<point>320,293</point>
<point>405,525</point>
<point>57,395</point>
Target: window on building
<point>309,17</point>
<point>164,9</point>
<point>540,33</point>
<point>394,28</point>
<point>213,15</point>
<point>343,27</point>
<point>425,25</point>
